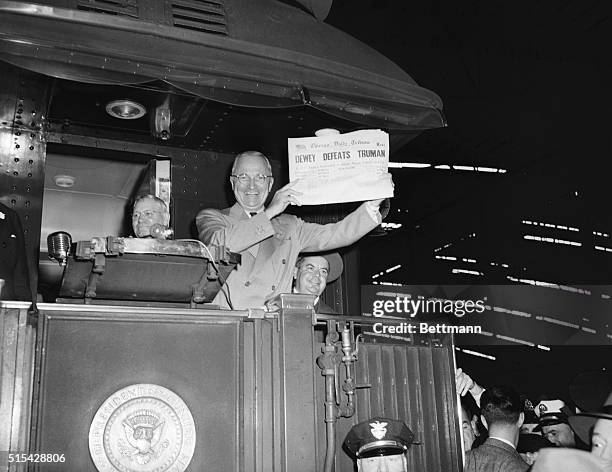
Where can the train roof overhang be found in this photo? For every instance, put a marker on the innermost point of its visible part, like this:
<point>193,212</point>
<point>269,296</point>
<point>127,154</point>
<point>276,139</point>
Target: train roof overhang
<point>266,55</point>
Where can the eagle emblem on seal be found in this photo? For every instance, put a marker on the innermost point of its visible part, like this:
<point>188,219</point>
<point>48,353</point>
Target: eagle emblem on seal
<point>378,429</point>
<point>143,431</point>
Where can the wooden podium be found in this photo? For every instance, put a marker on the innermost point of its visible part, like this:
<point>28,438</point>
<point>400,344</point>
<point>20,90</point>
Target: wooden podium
<point>249,381</point>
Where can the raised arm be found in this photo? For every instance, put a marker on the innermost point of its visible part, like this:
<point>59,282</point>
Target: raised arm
<point>236,234</point>
<point>466,384</point>
<point>316,237</point>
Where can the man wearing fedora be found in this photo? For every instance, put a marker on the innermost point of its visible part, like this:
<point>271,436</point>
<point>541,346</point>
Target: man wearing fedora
<point>313,272</point>
<point>380,444</point>
<point>596,426</point>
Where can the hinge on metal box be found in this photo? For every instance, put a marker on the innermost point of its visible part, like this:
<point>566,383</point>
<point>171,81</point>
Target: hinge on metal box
<point>32,319</point>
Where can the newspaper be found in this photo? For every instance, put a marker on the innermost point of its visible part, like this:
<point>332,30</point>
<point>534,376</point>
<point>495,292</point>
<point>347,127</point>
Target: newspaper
<point>340,168</point>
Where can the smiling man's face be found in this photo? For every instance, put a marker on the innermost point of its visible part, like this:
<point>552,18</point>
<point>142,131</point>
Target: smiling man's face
<point>146,213</point>
<point>311,275</point>
<point>251,181</point>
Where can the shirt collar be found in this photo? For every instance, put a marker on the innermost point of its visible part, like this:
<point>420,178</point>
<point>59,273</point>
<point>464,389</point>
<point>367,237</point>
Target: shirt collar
<point>248,213</point>
<point>504,441</point>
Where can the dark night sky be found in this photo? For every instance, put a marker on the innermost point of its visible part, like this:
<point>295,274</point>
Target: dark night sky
<point>526,87</point>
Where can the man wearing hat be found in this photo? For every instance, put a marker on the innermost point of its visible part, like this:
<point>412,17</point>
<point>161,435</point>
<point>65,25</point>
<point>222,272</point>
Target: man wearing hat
<point>380,444</point>
<point>554,423</point>
<point>531,419</point>
<point>571,460</point>
<point>600,423</point>
<point>529,446</point>
<point>313,272</point>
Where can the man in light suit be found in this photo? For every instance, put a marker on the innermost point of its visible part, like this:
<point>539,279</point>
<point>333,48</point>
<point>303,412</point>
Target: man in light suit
<point>502,415</point>
<point>268,240</point>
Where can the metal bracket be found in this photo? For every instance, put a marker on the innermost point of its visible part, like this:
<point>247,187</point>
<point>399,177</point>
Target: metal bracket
<point>96,272</point>
<point>32,319</point>
<point>256,314</point>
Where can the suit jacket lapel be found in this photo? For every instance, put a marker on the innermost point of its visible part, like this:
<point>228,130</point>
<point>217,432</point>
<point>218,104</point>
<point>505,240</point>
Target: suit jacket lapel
<point>266,260</point>
<point>238,213</point>
<point>266,250</point>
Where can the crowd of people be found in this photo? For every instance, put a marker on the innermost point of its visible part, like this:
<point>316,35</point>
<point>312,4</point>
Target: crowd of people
<point>280,253</point>
<point>548,437</point>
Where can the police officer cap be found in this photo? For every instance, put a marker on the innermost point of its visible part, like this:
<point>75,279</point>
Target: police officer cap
<point>379,437</point>
<point>552,412</point>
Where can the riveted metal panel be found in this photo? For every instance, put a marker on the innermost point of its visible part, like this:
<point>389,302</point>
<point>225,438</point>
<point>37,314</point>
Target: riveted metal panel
<point>23,102</point>
<point>414,383</point>
<point>199,180</point>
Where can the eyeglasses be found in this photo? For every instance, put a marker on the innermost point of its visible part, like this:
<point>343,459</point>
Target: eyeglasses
<point>245,179</point>
<point>146,213</point>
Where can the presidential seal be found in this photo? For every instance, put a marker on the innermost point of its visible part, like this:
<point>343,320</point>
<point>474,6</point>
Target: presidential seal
<point>142,428</point>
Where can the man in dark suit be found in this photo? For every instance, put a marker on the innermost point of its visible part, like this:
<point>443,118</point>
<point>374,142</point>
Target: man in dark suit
<point>502,415</point>
<point>14,273</point>
<point>596,426</point>
<point>268,240</point>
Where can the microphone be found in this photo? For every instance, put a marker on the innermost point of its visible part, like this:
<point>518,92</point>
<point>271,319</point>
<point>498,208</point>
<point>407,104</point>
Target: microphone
<point>158,231</point>
<point>58,246</point>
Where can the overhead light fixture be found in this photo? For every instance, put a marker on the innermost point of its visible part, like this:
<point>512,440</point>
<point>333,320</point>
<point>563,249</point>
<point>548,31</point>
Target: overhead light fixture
<point>64,181</point>
<point>125,109</point>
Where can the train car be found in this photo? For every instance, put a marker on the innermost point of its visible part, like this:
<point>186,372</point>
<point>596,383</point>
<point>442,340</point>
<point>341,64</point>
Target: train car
<point>113,358</point>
